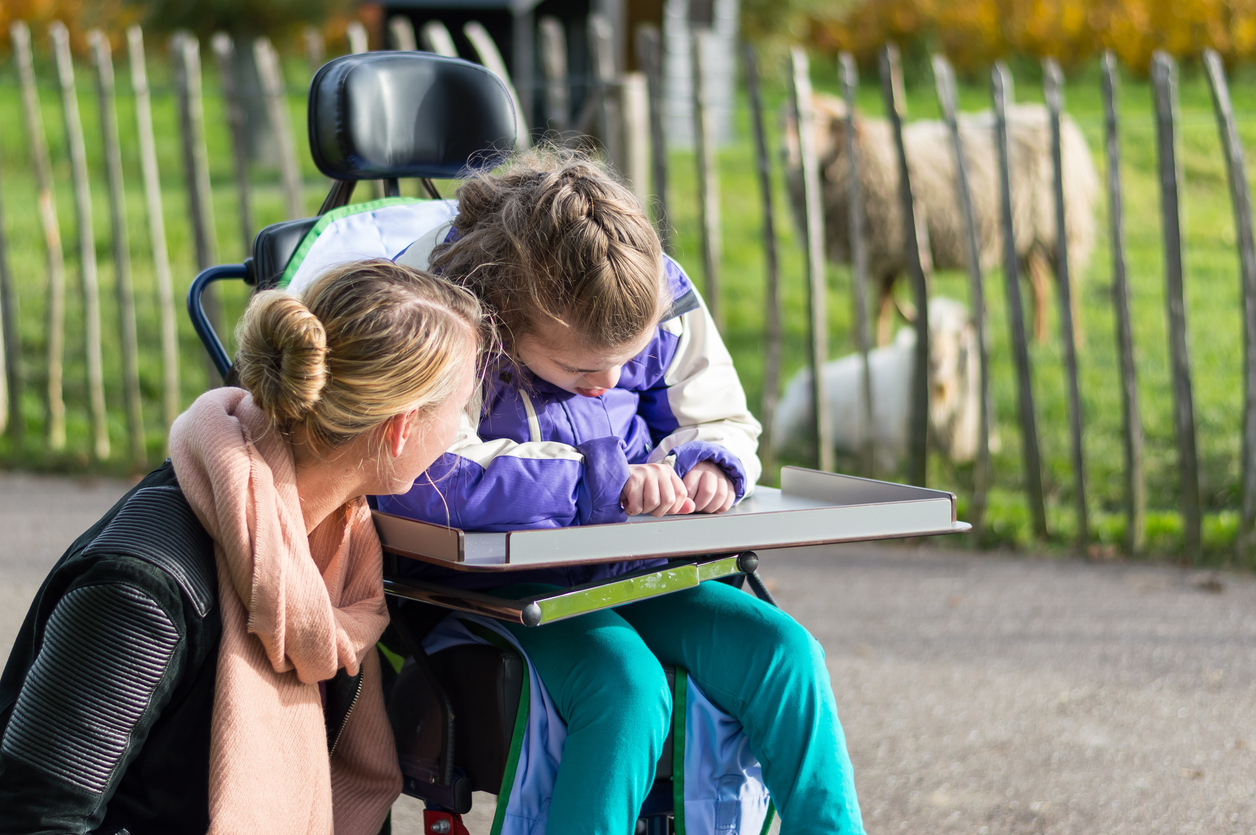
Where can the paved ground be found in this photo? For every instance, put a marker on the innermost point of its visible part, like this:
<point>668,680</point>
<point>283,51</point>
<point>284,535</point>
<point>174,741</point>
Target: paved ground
<point>980,693</point>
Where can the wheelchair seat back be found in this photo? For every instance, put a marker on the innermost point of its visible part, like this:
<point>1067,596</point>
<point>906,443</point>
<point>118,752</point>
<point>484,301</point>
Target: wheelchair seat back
<point>388,116</point>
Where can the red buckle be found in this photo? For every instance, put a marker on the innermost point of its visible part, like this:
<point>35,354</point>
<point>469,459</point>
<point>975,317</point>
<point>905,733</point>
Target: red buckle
<point>443,823</point>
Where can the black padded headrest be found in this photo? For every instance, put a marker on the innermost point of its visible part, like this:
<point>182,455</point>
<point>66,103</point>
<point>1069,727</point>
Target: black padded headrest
<point>378,115</point>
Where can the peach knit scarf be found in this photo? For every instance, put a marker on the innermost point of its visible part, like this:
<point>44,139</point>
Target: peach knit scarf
<point>294,611</point>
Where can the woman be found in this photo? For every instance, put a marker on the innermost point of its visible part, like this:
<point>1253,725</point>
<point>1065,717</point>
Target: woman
<point>202,658</point>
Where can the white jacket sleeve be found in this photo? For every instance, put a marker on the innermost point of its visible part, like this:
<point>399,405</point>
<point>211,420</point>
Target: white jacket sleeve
<point>701,405</point>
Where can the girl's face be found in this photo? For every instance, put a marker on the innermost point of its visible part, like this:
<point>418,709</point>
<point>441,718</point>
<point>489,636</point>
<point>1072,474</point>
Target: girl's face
<point>563,360</point>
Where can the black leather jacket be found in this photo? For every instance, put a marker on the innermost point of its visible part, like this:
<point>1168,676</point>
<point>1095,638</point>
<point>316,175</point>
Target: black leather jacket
<point>107,698</point>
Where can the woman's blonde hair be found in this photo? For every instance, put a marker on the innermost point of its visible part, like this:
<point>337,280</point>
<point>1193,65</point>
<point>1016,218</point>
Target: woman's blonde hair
<point>555,239</point>
<point>365,341</point>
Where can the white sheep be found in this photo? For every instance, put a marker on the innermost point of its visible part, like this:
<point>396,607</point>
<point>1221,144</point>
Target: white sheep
<point>954,395</point>
<point>930,162</point>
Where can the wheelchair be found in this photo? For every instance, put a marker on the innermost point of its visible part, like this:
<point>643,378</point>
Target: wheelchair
<point>455,712</point>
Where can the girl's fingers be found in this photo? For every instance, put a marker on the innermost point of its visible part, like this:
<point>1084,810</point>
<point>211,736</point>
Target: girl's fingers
<point>630,499</point>
<point>666,496</point>
<point>655,489</point>
<point>710,488</point>
<point>682,503</point>
<point>708,493</point>
<point>649,495</point>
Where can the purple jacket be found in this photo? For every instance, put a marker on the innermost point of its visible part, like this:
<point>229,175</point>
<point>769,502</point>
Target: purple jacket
<point>543,457</point>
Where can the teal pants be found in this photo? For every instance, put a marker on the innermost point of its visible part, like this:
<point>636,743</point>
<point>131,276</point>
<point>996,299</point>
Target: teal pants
<point>753,661</point>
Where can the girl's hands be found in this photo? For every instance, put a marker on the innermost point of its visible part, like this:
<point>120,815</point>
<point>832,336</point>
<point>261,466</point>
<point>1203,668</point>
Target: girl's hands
<point>710,488</point>
<point>654,489</point>
<point>657,490</point>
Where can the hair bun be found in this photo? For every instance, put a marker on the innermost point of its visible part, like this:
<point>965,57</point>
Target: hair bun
<point>282,356</point>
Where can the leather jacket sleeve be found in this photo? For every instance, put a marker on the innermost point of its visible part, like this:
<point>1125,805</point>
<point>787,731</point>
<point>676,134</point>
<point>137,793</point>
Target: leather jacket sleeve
<point>104,671</point>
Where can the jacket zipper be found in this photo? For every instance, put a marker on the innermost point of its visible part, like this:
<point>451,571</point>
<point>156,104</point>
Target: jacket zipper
<point>345,721</point>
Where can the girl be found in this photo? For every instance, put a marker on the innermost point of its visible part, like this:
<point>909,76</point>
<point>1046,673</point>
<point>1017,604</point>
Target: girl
<point>203,658</point>
<point>618,398</point>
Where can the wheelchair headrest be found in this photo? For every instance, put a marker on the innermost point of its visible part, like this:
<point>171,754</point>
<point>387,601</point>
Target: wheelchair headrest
<point>379,115</point>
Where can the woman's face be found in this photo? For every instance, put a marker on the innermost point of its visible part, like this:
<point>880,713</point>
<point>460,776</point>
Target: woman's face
<point>431,433</point>
<point>563,360</point>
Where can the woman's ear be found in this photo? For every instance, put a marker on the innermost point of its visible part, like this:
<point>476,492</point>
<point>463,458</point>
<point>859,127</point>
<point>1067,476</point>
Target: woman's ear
<point>397,431</point>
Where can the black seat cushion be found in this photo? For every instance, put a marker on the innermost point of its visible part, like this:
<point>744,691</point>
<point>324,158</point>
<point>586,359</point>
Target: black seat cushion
<point>273,248</point>
<point>484,684</point>
<point>381,115</point>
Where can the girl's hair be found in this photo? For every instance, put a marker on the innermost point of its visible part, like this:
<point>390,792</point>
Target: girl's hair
<point>365,341</point>
<point>554,239</point>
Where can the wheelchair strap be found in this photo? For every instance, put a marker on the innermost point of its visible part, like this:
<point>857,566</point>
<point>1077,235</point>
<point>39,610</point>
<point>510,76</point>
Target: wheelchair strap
<point>717,783</point>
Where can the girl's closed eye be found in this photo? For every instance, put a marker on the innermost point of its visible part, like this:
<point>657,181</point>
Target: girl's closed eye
<point>568,362</point>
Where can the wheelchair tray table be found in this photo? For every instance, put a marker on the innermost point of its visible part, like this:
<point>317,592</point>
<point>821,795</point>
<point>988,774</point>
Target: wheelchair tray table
<point>810,508</point>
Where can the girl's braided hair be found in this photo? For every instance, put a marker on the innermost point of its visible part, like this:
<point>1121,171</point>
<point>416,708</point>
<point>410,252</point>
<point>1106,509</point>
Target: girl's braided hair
<point>553,240</point>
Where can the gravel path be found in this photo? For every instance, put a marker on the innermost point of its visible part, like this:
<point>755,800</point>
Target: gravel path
<point>980,693</point>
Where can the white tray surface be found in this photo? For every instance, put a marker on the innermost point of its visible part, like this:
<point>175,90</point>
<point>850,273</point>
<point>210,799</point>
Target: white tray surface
<point>811,508</point>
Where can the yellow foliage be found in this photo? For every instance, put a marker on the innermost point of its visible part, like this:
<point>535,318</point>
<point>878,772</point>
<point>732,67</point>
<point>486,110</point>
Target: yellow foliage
<point>79,17</point>
<point>974,33</point>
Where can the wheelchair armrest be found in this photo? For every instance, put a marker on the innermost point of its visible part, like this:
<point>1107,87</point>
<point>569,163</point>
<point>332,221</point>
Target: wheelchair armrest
<point>200,321</point>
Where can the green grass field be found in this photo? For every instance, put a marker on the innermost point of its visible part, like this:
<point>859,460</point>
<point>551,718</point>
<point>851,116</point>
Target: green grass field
<point>1212,305</point>
<point>1212,287</point>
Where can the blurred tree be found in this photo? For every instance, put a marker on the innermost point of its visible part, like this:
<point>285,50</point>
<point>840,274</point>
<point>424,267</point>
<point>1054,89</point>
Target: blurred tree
<point>246,20</point>
<point>273,18</point>
<point>773,26</point>
<point>79,16</point>
<point>975,33</point>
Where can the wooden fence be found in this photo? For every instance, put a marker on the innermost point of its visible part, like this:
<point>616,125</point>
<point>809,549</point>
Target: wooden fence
<point>625,113</point>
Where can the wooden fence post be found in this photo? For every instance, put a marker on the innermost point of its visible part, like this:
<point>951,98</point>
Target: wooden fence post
<point>187,61</point>
<point>1053,88</point>
<point>772,325</point>
<point>315,48</point>
<point>708,179</point>
<point>6,299</point>
<point>4,365</point>
<point>1132,425</point>
<point>491,58</point>
<point>86,235</point>
<point>1241,201</point>
<point>156,226</point>
<point>634,103</point>
<point>434,37</point>
<point>401,30</point>
<point>858,259</point>
<point>650,58</point>
<point>553,43</point>
<point>1164,96</point>
<point>919,264</point>
<point>102,57</point>
<point>813,240</point>
<point>186,52</point>
<point>355,32</point>
<point>224,56</point>
<point>1001,95</point>
<point>35,138</point>
<point>10,346</point>
<point>944,79</point>
<point>602,104</point>
<point>271,75</point>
